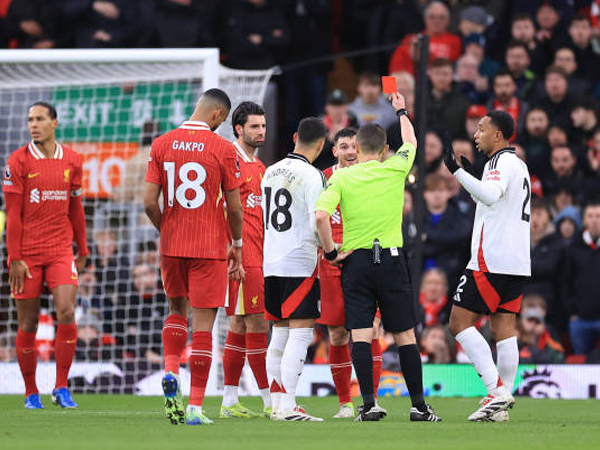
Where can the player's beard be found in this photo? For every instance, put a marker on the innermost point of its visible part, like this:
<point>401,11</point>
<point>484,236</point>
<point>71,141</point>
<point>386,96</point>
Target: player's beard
<point>254,144</point>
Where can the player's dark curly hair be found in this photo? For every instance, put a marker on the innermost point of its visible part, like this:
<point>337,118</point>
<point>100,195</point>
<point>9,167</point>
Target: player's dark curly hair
<point>503,121</point>
<point>343,133</point>
<point>310,130</point>
<point>51,109</point>
<point>241,113</point>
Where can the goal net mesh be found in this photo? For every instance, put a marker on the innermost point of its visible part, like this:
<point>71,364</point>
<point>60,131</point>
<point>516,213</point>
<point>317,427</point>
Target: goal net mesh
<point>109,113</point>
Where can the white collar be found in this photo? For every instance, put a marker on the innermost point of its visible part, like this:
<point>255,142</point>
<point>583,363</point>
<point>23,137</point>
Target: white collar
<point>587,237</point>
<point>194,125</point>
<point>242,153</point>
<point>38,154</point>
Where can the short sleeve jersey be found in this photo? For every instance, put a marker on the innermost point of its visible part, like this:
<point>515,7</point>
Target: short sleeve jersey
<point>290,189</point>
<point>325,268</point>
<point>501,232</point>
<point>46,185</point>
<point>371,198</point>
<point>252,172</point>
<point>193,166</point>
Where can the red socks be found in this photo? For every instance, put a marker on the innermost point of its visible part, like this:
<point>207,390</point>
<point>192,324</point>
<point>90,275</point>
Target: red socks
<point>341,370</point>
<point>377,363</point>
<point>174,336</point>
<point>65,344</point>
<point>256,349</point>
<point>234,354</point>
<point>27,357</point>
<point>200,361</point>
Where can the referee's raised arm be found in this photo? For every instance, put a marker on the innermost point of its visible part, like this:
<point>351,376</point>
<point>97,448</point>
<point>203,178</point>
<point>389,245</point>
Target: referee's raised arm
<point>406,128</point>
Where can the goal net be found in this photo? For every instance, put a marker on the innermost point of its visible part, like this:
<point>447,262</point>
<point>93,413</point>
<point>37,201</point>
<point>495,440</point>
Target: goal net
<point>111,104</point>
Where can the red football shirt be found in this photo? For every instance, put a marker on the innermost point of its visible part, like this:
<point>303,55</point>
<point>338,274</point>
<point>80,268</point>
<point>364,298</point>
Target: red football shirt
<point>444,45</point>
<point>337,229</point>
<point>46,185</point>
<point>193,166</point>
<point>252,171</point>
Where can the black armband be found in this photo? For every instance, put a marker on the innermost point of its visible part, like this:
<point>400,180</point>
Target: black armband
<point>330,256</point>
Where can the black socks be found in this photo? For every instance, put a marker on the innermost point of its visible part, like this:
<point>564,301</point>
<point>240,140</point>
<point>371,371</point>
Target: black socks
<point>362,358</point>
<point>410,362</point>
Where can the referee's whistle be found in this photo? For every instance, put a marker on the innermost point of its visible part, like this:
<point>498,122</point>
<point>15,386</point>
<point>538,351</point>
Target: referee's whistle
<point>376,252</point>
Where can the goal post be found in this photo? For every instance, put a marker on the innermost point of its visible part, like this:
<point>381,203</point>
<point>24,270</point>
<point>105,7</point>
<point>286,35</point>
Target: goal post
<point>110,105</point>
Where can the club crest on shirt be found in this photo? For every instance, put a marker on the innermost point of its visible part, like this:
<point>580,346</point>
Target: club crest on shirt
<point>7,173</point>
<point>66,174</point>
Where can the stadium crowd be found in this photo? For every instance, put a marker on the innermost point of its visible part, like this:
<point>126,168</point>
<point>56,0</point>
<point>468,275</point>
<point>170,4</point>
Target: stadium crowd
<point>537,60</point>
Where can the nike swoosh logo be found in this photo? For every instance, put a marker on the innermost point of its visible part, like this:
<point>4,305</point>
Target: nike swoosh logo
<point>71,341</point>
<point>248,180</point>
<point>31,175</point>
<point>73,277</point>
<point>28,350</point>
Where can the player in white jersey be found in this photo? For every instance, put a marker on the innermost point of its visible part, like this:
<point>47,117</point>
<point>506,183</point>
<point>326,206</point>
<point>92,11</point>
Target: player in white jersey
<point>500,261</point>
<point>290,189</point>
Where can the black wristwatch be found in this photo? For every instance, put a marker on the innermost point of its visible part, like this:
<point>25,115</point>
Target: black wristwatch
<point>402,112</point>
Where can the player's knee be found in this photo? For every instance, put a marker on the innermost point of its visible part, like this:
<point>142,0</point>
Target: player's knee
<point>237,325</point>
<point>28,325</point>
<point>65,314</point>
<point>338,336</point>
<point>256,323</point>
<point>406,337</point>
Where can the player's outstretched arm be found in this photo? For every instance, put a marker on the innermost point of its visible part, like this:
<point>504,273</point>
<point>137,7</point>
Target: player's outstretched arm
<point>151,206</point>
<point>486,193</point>
<point>235,217</point>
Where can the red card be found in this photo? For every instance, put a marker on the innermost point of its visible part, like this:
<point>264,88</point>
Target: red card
<point>389,85</point>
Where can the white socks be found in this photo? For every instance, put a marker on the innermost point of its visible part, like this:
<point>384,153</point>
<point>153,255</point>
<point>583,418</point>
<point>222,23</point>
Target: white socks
<point>292,364</point>
<point>480,354</point>
<point>230,396</point>
<point>266,396</point>
<point>279,338</point>
<point>508,361</point>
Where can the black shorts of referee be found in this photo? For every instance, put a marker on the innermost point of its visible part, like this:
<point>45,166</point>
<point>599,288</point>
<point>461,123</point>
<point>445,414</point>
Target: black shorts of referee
<point>387,285</point>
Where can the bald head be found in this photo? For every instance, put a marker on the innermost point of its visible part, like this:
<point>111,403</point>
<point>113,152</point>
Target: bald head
<point>212,107</point>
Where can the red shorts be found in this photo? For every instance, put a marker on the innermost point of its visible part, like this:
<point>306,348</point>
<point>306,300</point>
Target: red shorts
<point>202,281</point>
<point>333,313</point>
<point>247,297</point>
<point>54,270</point>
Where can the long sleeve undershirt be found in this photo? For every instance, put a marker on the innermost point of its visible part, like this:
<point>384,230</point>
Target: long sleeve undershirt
<point>486,193</point>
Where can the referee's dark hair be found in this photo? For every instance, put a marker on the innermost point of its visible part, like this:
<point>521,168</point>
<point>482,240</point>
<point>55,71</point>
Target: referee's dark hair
<point>344,133</point>
<point>503,121</point>
<point>241,113</point>
<point>371,138</point>
<point>218,96</point>
<point>51,109</point>
<point>310,130</point>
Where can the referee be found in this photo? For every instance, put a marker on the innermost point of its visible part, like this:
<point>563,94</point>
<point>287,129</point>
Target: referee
<point>374,271</point>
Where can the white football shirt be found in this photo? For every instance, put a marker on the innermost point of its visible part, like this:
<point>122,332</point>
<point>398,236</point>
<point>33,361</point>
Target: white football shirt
<point>290,189</point>
<point>501,232</point>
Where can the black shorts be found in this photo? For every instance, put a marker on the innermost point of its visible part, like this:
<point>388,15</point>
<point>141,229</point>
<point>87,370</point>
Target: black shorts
<point>387,285</point>
<point>487,293</point>
<point>291,298</point>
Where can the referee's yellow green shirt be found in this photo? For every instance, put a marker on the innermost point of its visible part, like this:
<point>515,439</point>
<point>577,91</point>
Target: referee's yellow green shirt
<point>371,197</point>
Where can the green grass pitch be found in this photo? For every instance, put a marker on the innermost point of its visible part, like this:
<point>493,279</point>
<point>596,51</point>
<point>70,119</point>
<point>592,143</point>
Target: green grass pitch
<point>129,422</point>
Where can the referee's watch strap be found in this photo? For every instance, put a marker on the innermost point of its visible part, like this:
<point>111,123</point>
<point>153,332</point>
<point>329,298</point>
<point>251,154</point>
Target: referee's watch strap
<point>330,256</point>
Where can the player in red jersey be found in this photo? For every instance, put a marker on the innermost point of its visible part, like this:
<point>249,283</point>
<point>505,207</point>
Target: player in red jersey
<point>194,168</point>
<point>42,189</point>
<point>248,330</point>
<point>332,300</point>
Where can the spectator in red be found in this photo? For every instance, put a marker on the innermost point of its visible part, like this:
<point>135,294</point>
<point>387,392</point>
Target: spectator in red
<point>442,44</point>
<point>433,297</point>
<point>472,118</point>
<point>517,62</point>
<point>447,104</point>
<point>580,283</point>
<point>505,99</point>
